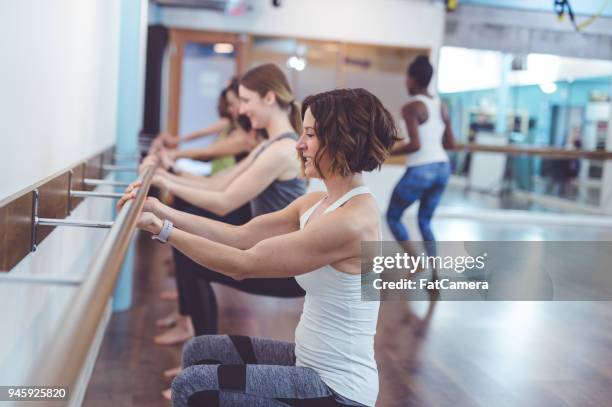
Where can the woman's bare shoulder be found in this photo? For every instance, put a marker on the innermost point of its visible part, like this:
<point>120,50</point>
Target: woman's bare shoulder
<point>362,212</point>
<point>306,201</point>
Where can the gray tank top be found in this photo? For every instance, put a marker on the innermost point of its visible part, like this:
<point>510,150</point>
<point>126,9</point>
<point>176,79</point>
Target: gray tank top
<point>278,194</point>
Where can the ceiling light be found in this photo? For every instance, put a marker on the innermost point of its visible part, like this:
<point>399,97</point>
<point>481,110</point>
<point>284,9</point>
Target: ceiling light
<point>223,48</point>
<point>296,63</point>
<point>548,87</point>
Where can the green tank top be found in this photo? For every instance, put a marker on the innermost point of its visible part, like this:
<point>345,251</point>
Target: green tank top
<point>227,161</point>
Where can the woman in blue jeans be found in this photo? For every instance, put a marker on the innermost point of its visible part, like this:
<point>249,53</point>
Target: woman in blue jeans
<point>429,134</point>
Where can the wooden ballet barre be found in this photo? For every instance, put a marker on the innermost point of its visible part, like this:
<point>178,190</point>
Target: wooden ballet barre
<point>545,152</point>
<point>66,354</point>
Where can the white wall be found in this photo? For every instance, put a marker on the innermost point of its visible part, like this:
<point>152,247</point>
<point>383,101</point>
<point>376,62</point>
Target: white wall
<point>461,69</point>
<point>405,23</point>
<point>58,104</point>
<point>58,85</point>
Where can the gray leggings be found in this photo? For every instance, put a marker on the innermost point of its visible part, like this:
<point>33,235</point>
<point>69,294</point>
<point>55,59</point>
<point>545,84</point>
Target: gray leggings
<point>222,370</point>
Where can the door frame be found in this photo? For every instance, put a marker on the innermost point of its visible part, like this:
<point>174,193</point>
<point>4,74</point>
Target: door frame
<point>178,39</point>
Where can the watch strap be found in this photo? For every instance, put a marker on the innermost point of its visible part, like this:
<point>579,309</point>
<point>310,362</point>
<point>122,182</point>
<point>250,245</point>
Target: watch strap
<point>164,233</point>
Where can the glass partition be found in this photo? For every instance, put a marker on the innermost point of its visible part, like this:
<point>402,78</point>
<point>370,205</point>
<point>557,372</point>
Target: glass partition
<point>530,100</point>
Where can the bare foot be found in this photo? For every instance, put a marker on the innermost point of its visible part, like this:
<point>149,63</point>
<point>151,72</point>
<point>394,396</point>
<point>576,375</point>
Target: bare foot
<point>168,321</point>
<point>169,295</point>
<point>170,373</point>
<point>182,332</point>
<point>167,394</point>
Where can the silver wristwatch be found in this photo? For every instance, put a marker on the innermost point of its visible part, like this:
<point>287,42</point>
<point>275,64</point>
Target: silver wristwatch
<point>164,233</point>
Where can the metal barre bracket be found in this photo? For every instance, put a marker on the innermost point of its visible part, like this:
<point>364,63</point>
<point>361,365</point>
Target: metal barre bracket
<point>126,157</point>
<point>36,221</point>
<point>96,182</point>
<point>92,194</point>
<point>39,279</point>
<point>119,168</point>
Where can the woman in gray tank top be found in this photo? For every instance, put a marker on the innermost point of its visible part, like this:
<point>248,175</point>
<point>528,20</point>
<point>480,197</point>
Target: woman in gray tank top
<point>316,238</point>
<point>269,177</point>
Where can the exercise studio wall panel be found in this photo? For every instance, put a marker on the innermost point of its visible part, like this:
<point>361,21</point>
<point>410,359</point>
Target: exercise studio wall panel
<point>58,86</point>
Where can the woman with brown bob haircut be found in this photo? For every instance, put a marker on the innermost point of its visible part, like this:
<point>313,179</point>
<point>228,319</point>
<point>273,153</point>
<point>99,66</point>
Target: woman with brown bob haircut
<point>316,239</point>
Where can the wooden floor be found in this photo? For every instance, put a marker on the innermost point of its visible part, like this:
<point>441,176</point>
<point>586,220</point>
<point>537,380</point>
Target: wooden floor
<point>453,354</point>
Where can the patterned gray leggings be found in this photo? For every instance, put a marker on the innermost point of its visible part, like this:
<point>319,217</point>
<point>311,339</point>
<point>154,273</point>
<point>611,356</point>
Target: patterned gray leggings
<point>222,370</point>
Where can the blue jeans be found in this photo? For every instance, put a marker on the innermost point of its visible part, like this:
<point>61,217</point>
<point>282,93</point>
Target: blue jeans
<point>422,182</point>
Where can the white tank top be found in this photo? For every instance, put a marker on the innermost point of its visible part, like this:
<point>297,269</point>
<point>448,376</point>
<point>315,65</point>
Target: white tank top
<point>335,335</point>
<point>430,134</point>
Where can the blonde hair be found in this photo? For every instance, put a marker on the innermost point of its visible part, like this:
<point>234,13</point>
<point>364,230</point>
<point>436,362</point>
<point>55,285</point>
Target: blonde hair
<point>269,78</point>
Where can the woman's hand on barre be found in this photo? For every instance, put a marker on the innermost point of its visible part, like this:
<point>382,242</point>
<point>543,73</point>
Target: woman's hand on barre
<point>128,194</point>
<point>150,204</point>
<point>168,140</point>
<point>161,156</point>
<point>160,181</point>
<point>149,161</point>
<point>167,158</point>
<point>149,222</point>
<point>157,143</point>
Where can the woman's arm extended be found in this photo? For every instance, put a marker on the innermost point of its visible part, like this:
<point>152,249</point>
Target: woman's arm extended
<point>231,145</point>
<point>242,237</point>
<point>241,190</point>
<point>245,236</point>
<point>216,127</point>
<point>217,182</point>
<point>292,254</point>
<point>172,141</point>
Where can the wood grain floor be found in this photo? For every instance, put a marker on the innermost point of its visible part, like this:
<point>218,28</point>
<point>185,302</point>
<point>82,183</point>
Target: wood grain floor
<point>450,354</point>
